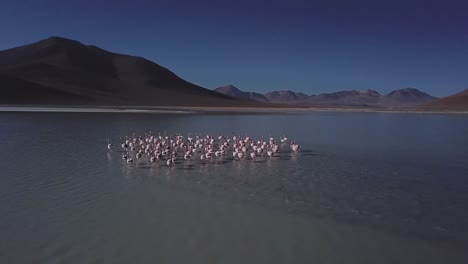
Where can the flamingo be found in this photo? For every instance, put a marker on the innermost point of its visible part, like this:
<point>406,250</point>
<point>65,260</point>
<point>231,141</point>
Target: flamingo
<point>253,155</point>
<point>294,146</point>
<point>109,145</point>
<point>275,149</point>
<point>260,150</point>
<point>124,145</point>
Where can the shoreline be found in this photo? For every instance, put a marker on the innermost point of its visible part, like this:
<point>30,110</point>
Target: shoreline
<point>213,110</point>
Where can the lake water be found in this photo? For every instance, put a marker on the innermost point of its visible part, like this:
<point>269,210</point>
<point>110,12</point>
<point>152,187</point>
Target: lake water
<point>365,188</point>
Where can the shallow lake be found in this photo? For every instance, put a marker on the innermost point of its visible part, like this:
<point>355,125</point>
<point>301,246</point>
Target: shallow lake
<point>365,188</point>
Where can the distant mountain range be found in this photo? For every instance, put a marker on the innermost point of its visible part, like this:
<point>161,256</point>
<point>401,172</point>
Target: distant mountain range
<point>61,71</point>
<point>231,90</point>
<point>407,97</point>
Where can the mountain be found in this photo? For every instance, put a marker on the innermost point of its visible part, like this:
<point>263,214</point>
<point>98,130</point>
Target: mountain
<point>233,91</point>
<point>457,102</point>
<point>29,93</point>
<point>286,97</point>
<point>346,98</point>
<point>407,97</point>
<point>63,71</point>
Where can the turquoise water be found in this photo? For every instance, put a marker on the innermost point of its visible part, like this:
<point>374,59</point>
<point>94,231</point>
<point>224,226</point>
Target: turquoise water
<point>365,188</point>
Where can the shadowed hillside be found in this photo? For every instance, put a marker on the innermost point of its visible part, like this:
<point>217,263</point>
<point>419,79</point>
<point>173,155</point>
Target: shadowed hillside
<point>63,71</point>
<point>31,93</point>
<point>457,101</point>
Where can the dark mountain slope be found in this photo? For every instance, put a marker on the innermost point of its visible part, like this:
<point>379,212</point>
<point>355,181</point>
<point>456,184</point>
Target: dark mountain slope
<point>31,93</point>
<point>105,77</point>
<point>457,102</point>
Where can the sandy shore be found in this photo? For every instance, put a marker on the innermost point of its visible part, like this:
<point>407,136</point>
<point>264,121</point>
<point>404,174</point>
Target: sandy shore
<point>215,110</point>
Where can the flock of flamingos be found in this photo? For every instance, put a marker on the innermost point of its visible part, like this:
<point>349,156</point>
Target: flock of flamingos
<point>169,148</point>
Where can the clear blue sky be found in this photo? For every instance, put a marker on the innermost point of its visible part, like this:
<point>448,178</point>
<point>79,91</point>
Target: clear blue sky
<point>260,46</point>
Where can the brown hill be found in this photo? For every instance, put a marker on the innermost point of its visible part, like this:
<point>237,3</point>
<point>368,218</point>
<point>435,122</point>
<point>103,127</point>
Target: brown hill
<point>63,71</point>
<point>456,102</point>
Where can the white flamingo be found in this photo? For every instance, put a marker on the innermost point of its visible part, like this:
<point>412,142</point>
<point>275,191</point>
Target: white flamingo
<point>124,145</point>
<point>295,147</point>
<point>253,155</point>
<point>109,145</point>
<point>260,150</point>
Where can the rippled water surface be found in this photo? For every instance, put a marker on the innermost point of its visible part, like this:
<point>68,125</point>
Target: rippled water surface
<point>365,188</point>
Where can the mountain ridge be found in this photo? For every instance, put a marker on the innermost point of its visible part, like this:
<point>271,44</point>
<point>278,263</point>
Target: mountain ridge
<point>233,91</point>
<point>405,97</point>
